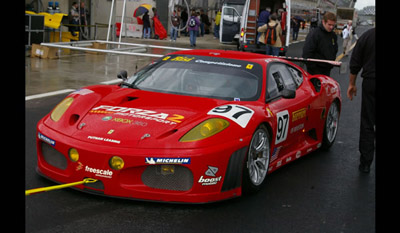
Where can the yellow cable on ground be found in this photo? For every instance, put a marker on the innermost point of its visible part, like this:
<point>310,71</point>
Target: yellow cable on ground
<point>61,186</point>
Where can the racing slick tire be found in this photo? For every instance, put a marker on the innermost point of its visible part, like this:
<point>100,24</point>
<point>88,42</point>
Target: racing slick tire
<point>331,126</point>
<point>257,161</point>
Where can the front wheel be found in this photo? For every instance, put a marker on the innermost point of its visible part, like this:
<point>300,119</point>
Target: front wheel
<point>258,156</point>
<point>331,125</point>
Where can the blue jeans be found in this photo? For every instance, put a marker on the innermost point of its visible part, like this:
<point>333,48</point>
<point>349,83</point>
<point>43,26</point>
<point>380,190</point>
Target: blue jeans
<point>146,33</point>
<point>216,31</point>
<point>274,51</point>
<point>193,35</point>
<point>295,35</point>
<point>174,33</point>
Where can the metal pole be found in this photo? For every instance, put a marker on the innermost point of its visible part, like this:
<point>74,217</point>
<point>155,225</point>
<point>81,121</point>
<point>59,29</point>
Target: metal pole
<point>101,50</point>
<point>122,23</point>
<point>288,7</point>
<point>110,19</point>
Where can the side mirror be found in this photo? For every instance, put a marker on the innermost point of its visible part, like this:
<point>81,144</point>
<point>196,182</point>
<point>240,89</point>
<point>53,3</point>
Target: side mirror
<point>288,94</point>
<point>123,74</point>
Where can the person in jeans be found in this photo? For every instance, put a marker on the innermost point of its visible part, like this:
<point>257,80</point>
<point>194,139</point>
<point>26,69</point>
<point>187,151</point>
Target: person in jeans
<point>176,21</point>
<point>272,49</point>
<point>146,26</point>
<point>193,28</point>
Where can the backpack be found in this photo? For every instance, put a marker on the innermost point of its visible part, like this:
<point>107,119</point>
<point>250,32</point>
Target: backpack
<point>192,22</point>
<point>270,35</point>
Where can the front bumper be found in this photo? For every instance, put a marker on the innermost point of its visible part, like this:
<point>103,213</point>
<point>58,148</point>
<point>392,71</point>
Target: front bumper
<point>191,175</point>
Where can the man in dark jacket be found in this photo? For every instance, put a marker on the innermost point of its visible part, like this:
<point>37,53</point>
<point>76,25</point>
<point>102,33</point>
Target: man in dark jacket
<point>321,43</point>
<point>363,57</point>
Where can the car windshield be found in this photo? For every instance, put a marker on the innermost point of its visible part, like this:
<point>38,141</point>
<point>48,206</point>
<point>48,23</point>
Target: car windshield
<point>201,76</point>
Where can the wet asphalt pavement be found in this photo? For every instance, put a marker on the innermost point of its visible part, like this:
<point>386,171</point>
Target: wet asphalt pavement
<point>321,192</point>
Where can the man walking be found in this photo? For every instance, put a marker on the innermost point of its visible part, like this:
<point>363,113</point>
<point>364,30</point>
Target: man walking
<point>321,43</point>
<point>363,57</point>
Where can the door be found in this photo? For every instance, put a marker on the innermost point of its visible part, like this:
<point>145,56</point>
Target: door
<point>289,115</point>
<point>230,24</point>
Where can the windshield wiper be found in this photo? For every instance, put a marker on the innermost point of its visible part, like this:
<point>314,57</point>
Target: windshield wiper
<point>130,85</point>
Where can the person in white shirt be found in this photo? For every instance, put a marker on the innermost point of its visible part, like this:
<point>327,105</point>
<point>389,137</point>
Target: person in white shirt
<point>347,36</point>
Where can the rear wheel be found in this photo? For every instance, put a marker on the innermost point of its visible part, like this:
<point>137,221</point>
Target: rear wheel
<point>257,162</point>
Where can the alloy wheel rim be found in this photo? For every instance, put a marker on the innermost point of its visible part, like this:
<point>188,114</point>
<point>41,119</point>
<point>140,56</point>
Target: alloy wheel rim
<point>332,122</point>
<point>258,160</point>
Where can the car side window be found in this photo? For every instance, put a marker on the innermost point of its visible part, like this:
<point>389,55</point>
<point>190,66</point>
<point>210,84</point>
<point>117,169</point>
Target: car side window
<point>297,75</point>
<point>279,77</point>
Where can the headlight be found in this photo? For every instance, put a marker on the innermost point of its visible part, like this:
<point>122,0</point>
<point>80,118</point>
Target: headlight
<point>116,163</point>
<point>73,155</point>
<point>60,109</point>
<point>204,130</point>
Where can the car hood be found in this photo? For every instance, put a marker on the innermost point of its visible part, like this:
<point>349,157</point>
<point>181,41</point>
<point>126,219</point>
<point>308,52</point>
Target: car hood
<point>134,118</point>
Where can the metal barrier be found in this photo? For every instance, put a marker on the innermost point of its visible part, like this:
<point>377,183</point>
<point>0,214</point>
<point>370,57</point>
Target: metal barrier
<point>77,45</point>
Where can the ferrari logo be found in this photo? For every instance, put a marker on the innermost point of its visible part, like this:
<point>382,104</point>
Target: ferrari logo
<point>110,131</point>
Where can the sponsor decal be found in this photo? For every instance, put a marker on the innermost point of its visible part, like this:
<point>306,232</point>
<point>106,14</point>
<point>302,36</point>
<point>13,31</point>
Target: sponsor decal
<point>180,58</point>
<point>220,63</point>
<point>138,113</point>
<point>299,114</point>
<point>110,131</point>
<point>211,171</point>
<point>99,172</point>
<point>158,160</point>
<point>275,153</point>
<point>79,166</point>
<point>104,139</point>
<point>297,128</point>
<point>46,139</point>
<point>124,121</point>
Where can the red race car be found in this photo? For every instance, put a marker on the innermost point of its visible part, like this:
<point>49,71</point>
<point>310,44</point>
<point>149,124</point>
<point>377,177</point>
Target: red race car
<point>195,126</point>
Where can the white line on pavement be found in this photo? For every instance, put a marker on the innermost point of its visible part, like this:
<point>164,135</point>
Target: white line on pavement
<point>31,97</point>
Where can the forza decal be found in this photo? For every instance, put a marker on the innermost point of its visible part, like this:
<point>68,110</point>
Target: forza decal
<point>237,113</point>
<point>282,126</point>
<point>139,113</point>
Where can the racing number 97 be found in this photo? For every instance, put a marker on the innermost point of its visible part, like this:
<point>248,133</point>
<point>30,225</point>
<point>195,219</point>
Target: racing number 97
<point>282,126</point>
<point>237,113</point>
<point>227,108</point>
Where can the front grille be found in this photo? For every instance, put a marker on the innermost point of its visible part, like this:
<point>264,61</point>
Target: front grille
<point>180,180</point>
<point>53,156</point>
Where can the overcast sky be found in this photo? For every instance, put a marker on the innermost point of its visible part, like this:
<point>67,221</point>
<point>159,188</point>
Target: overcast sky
<point>363,3</point>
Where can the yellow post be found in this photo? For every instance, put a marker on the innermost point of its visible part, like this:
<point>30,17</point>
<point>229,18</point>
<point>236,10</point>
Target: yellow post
<point>61,186</point>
